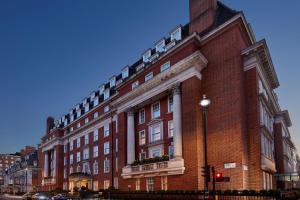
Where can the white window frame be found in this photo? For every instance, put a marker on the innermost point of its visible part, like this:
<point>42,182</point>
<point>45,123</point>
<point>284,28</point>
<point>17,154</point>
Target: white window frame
<point>112,81</point>
<point>125,72</point>
<point>149,184</point>
<point>86,154</point>
<point>176,34</point>
<point>96,134</point>
<point>86,139</point>
<point>71,145</point>
<point>106,109</point>
<point>149,76</point>
<point>78,142</point>
<point>106,166</point>
<point>170,129</point>
<point>169,151</point>
<point>142,141</point>
<point>170,104</point>
<point>78,157</point>
<point>71,159</point>
<point>151,128</point>
<point>142,119</point>
<point>106,148</point>
<point>165,66</point>
<point>135,85</point>
<point>160,46</point>
<point>95,168</point>
<point>95,151</point>
<point>152,110</point>
<point>106,94</point>
<point>106,131</point>
<point>147,55</point>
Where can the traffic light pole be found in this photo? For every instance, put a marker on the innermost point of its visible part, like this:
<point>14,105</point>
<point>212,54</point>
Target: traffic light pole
<point>205,147</point>
<point>214,182</point>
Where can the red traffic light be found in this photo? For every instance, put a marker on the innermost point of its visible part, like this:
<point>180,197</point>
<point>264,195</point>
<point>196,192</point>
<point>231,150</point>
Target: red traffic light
<point>219,175</point>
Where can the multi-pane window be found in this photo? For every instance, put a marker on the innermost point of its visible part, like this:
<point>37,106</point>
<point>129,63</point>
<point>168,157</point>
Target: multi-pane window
<point>96,114</point>
<point>112,82</point>
<point>86,154</point>
<point>170,104</point>
<point>265,118</point>
<point>71,159</point>
<point>135,85</point>
<point>65,148</point>
<point>86,139</point>
<point>142,137</point>
<point>171,151</point>
<point>164,67</point>
<point>142,155</point>
<point>71,170</point>
<point>170,128</point>
<point>147,55</point>
<point>95,168</point>
<point>176,34</point>
<point>106,109</point>
<point>106,94</point>
<point>86,167</point>
<point>78,169</point>
<point>137,184</point>
<point>78,157</point>
<point>106,165</point>
<point>267,147</point>
<point>106,184</point>
<point>95,151</point>
<point>125,72</point>
<point>86,120</point>
<point>71,145</point>
<point>142,116</point>
<point>149,76</point>
<point>78,142</point>
<point>156,152</point>
<point>106,148</point>
<point>96,135</point>
<point>155,110</point>
<point>149,184</point>
<point>160,46</point>
<point>65,161</point>
<point>106,130</point>
<point>155,132</point>
<point>164,183</point>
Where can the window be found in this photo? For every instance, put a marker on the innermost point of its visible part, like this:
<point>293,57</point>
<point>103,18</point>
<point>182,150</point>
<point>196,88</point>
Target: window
<point>95,168</point>
<point>78,113</point>
<point>95,135</point>
<point>155,110</point>
<point>106,166</point>
<point>86,168</point>
<point>170,129</point>
<point>86,120</point>
<point>164,183</point>
<point>117,164</point>
<point>138,184</point>
<point>78,157</point>
<point>176,34</point>
<point>78,125</point>
<point>71,159</point>
<point>142,116</point>
<point>112,81</point>
<point>65,173</point>
<point>65,161</point>
<point>87,107</point>
<point>106,148</point>
<point>71,170</point>
<point>95,152</point>
<point>135,85</point>
<point>125,72</point>
<point>171,152</point>
<point>170,104</point>
<point>106,130</point>
<point>102,88</point>
<point>86,154</point>
<point>106,184</point>
<point>96,101</point>
<point>149,76</point>
<point>106,94</point>
<point>142,136</point>
<point>116,182</point>
<point>78,169</point>
<point>86,139</point>
<point>71,145</point>
<point>71,117</point>
<point>78,142</point>
<point>164,67</point>
<point>156,152</point>
<point>155,132</point>
<point>96,114</point>
<point>71,128</point>
<point>65,148</point>
<point>147,55</point>
<point>117,144</point>
<point>95,186</point>
<point>143,155</point>
<point>106,109</point>
<point>149,184</point>
<point>160,46</point>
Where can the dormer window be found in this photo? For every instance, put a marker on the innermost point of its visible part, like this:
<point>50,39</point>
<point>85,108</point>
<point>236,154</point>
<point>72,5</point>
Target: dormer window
<point>147,55</point>
<point>164,67</point>
<point>125,72</point>
<point>112,82</point>
<point>176,34</point>
<point>87,107</point>
<point>102,88</point>
<point>96,101</point>
<point>106,94</point>
<point>71,117</point>
<point>93,95</point>
<point>78,113</point>
<point>135,85</point>
<point>160,46</point>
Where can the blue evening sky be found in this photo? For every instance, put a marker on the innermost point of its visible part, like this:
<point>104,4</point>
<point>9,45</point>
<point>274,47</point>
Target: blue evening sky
<point>54,53</point>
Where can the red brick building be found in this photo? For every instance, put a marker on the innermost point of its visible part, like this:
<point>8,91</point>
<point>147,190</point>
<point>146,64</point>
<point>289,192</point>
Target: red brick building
<point>143,129</point>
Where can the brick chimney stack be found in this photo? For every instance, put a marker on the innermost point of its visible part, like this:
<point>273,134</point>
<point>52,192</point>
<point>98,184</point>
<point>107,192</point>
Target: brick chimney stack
<point>50,124</point>
<point>202,14</point>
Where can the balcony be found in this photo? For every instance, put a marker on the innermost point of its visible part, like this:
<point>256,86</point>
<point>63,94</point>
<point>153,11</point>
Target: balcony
<point>171,167</point>
<point>49,180</point>
<point>267,164</point>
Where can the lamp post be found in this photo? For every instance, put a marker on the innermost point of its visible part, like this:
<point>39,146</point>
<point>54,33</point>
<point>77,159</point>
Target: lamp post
<point>26,179</point>
<point>204,103</point>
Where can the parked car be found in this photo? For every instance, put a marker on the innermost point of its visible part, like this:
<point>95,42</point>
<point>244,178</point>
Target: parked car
<point>41,196</point>
<point>61,196</point>
<point>28,196</point>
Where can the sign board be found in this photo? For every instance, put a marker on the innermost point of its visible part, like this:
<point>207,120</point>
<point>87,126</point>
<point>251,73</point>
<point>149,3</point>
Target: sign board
<point>229,165</point>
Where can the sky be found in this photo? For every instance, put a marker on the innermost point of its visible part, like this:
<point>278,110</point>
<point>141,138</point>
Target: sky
<point>54,53</point>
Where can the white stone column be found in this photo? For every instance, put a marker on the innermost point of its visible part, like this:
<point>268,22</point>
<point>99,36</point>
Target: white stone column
<point>54,162</point>
<point>177,137</point>
<point>130,137</point>
<point>46,164</point>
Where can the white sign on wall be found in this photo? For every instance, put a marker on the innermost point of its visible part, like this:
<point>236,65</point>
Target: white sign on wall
<point>229,165</point>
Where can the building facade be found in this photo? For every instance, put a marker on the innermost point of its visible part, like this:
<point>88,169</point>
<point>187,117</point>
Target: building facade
<point>143,129</point>
<point>5,161</point>
<point>22,175</point>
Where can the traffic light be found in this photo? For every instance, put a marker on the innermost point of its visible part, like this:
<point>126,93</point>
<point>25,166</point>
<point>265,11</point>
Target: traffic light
<point>219,177</point>
<point>206,172</point>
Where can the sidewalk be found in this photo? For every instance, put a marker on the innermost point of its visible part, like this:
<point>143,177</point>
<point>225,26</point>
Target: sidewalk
<point>8,196</point>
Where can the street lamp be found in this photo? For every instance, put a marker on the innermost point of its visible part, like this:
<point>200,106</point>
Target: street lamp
<point>26,178</point>
<point>204,103</point>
